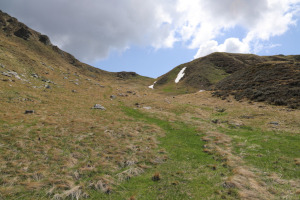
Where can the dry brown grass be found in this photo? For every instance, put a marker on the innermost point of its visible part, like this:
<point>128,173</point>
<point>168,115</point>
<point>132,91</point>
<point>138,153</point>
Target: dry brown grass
<point>65,139</point>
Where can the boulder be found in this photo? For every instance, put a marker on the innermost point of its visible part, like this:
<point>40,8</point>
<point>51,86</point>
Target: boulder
<point>23,33</point>
<point>44,39</point>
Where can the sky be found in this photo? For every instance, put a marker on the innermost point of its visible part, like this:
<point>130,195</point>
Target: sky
<point>151,37</point>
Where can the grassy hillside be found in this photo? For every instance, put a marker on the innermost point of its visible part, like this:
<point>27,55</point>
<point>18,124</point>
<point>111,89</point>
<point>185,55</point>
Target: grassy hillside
<point>143,144</point>
<point>203,73</point>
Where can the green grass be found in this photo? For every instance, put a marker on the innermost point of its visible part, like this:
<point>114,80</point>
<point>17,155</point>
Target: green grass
<point>187,173</point>
<point>269,151</point>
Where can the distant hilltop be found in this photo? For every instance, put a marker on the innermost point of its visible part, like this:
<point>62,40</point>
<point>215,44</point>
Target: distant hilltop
<point>274,79</point>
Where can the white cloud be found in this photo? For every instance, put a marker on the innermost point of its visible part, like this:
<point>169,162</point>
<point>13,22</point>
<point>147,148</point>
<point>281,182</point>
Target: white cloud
<point>231,45</point>
<point>90,29</point>
<point>203,21</point>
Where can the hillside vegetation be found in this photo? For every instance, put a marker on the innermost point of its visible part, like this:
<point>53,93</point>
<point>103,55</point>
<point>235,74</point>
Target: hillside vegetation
<point>72,131</point>
<point>273,79</point>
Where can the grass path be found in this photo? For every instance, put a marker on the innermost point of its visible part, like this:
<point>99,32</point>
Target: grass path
<point>188,173</point>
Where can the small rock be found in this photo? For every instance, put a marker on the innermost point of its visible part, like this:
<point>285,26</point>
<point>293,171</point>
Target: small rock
<point>76,83</point>
<point>247,117</point>
<point>2,66</point>
<point>29,111</point>
<point>6,74</point>
<point>75,91</point>
<point>220,110</point>
<point>229,184</point>
<point>156,177</point>
<point>147,107</point>
<point>15,74</point>
<point>122,95</point>
<point>113,97</point>
<point>35,75</point>
<point>48,86</point>
<point>98,106</point>
<point>215,121</point>
<point>274,123</point>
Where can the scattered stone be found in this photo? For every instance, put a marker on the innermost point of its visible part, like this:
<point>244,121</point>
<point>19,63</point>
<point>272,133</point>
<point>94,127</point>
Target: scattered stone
<point>156,177</point>
<point>48,86</point>
<point>122,95</point>
<point>229,184</point>
<point>113,97</point>
<point>35,75</point>
<point>137,105</point>
<point>6,74</point>
<point>10,74</point>
<point>129,92</point>
<point>76,83</point>
<point>220,110</point>
<point>147,107</point>
<point>98,106</point>
<point>46,80</point>
<point>246,117</point>
<point>236,124</point>
<point>274,123</point>
<point>215,121</point>
<point>75,91</point>
<point>29,111</point>
<point>2,66</point>
<point>65,77</point>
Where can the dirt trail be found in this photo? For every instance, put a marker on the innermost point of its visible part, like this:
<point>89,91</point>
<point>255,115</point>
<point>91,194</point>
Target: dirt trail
<point>244,179</point>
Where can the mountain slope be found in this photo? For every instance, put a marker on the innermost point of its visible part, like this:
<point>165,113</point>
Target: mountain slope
<point>274,79</point>
<point>70,131</point>
<point>203,73</point>
<point>31,40</point>
<point>274,82</point>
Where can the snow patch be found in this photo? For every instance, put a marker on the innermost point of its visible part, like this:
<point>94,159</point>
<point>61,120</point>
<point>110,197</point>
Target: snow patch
<point>180,75</point>
<point>152,86</point>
